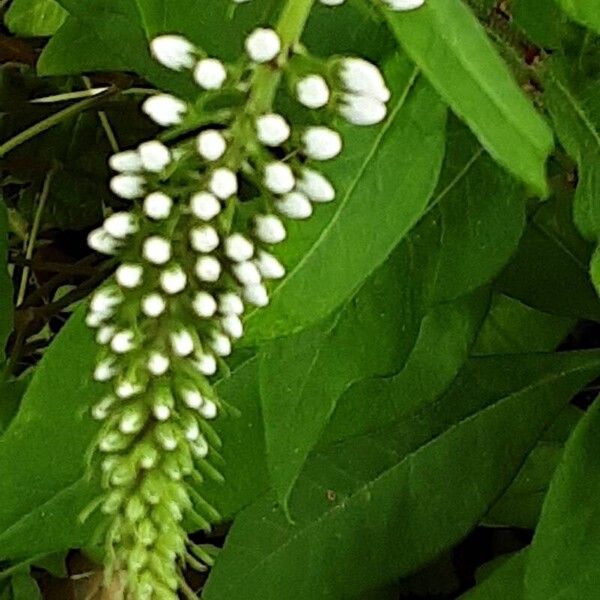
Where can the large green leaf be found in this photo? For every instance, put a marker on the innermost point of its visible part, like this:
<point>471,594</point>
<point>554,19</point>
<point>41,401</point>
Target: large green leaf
<point>473,226</point>
<point>505,582</point>
<point>586,12</point>
<point>6,300</point>
<point>384,180</point>
<point>513,327</point>
<point>416,486</point>
<point>564,557</point>
<point>32,18</point>
<point>448,44</point>
<point>550,269</point>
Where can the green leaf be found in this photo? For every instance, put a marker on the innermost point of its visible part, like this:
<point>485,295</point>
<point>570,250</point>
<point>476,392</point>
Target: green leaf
<point>564,557</point>
<point>541,20</point>
<point>586,12</point>
<point>506,581</point>
<point>473,226</point>
<point>31,18</point>
<point>550,269</point>
<point>579,133</point>
<point>521,504</point>
<point>6,290</point>
<point>412,486</point>
<point>451,48</point>
<point>11,392</point>
<point>384,180</point>
<point>24,587</point>
<point>513,327</point>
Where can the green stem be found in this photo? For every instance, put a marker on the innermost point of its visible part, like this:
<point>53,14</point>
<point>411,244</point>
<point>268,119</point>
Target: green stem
<point>290,26</point>
<point>54,119</point>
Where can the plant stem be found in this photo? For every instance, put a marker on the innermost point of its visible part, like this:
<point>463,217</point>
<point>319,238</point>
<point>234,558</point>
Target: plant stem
<point>33,235</point>
<point>290,26</point>
<point>55,119</point>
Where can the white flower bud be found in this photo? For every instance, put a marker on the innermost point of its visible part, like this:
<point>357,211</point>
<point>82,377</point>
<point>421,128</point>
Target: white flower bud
<point>269,229</point>
<point>232,326</point>
<point>166,439</point>
<point>182,343</point>
<point>157,250</point>
<point>161,411</point>
<point>158,363</point>
<point>205,206</point>
<point>230,304</point>
<point>101,409</point>
<point>157,205</point>
<point>173,52</point>
<point>312,91</point>
<point>131,422</point>
<point>223,183</point>
<point>206,364</point>
<point>279,178</point>
<point>122,342</point>
<point>128,161</point>
<point>294,205</point>
<point>321,143</point>
<point>401,5</point>
<point>129,276</point>
<point>101,241</point>
<point>247,273</point>
<point>173,280</point>
<point>94,320</point>
<point>192,398</point>
<point>204,305</point>
<point>361,110</point>
<point>238,248</point>
<point>105,334</point>
<point>211,144</point>
<point>204,238</point>
<point>272,129</point>
<point>153,305</point>
<point>332,2</point>
<point>263,45</point>
<point>200,447</point>
<point>210,74</point>
<point>128,186</point>
<point>316,186</point>
<point>155,156</point>
<point>120,225</point>
<point>127,389</point>
<point>192,431</point>
<point>256,295</point>
<point>269,266</point>
<point>209,410</point>
<point>363,78</point>
<point>164,109</point>
<point>208,269</point>
<point>105,300</point>
<point>221,344</point>
<point>105,370</point>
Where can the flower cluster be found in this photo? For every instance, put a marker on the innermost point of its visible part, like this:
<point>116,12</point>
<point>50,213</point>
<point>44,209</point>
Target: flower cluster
<point>191,262</point>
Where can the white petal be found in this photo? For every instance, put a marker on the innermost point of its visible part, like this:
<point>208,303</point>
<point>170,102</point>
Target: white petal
<point>263,45</point>
<point>210,74</point>
<point>269,229</point>
<point>294,205</point>
<point>279,178</point>
<point>155,156</point>
<point>272,129</point>
<point>211,144</point>
<point>321,143</point>
<point>173,51</point>
<point>312,91</point>
<point>205,206</point>
<point>157,205</point>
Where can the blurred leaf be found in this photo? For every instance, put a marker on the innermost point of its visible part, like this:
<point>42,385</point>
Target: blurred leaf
<point>541,20</point>
<point>513,327</point>
<point>564,557</point>
<point>506,581</point>
<point>31,18</point>
<point>11,392</point>
<point>23,587</point>
<point>586,12</point>
<point>411,486</point>
<point>6,290</point>
<point>443,38</point>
